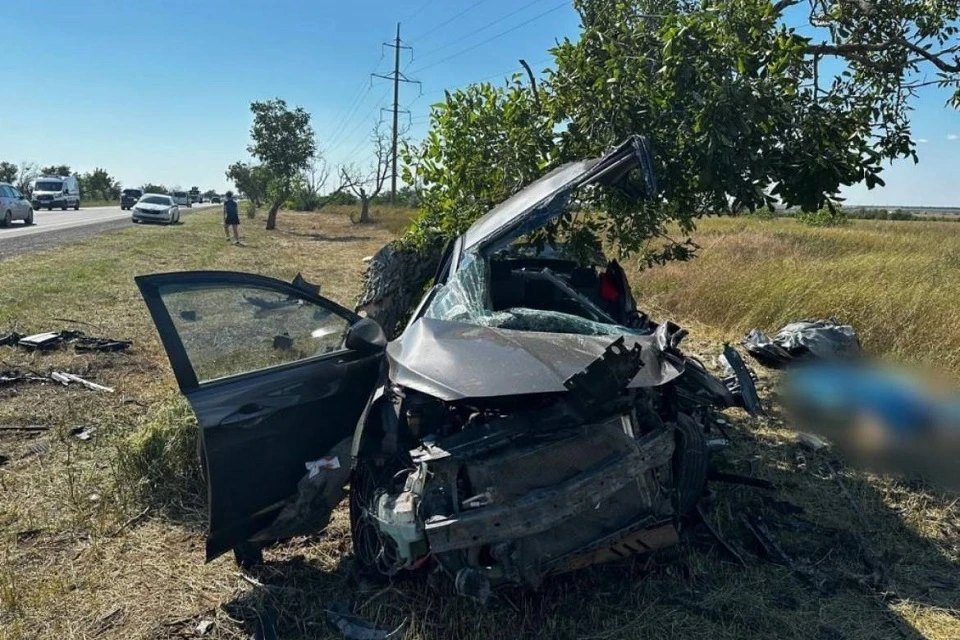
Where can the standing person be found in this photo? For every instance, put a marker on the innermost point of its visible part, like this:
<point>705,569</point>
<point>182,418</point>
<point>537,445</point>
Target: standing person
<point>231,218</point>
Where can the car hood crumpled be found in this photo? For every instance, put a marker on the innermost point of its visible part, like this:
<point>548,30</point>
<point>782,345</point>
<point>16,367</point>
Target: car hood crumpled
<point>456,360</point>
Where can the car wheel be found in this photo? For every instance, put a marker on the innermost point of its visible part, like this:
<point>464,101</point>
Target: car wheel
<point>134,221</point>
<point>690,464</point>
<point>76,207</point>
<point>63,207</point>
<point>29,219</point>
<point>50,208</point>
<point>7,217</point>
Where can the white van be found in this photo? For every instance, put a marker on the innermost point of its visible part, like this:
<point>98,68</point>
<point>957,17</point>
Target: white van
<point>56,191</point>
<point>182,198</point>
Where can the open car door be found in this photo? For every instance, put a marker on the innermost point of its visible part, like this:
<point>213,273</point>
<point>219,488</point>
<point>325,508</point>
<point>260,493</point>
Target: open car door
<point>277,377</point>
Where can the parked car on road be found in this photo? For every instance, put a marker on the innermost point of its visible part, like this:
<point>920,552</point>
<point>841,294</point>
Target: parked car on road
<point>130,197</point>
<point>156,207</point>
<point>527,422</point>
<point>14,206</point>
<point>56,191</point>
<point>182,198</point>
<point>215,200</point>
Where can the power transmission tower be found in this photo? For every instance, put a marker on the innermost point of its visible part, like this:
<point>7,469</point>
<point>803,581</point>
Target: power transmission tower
<point>397,78</point>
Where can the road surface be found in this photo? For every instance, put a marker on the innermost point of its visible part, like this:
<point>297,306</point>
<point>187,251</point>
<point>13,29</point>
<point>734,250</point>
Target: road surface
<point>51,228</point>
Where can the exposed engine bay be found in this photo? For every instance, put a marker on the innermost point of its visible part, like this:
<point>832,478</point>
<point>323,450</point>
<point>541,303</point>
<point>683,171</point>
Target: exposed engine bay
<point>499,485</point>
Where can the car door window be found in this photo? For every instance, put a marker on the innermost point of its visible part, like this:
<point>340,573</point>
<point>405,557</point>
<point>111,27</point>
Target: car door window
<point>5,192</point>
<point>227,330</point>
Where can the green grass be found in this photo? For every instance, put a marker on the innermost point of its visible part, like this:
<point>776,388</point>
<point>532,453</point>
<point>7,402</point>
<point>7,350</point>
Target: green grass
<point>897,283</point>
<point>104,538</point>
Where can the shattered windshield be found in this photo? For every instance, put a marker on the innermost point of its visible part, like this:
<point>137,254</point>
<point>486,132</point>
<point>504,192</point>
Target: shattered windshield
<point>466,297</point>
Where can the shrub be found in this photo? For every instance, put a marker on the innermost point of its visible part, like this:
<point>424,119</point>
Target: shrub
<point>824,217</point>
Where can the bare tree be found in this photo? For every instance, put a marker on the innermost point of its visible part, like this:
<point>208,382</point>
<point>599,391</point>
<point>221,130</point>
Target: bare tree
<point>368,184</point>
<point>316,174</point>
<point>25,177</point>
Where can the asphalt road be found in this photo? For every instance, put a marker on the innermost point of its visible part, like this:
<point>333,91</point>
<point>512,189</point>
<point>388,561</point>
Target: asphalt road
<point>52,228</point>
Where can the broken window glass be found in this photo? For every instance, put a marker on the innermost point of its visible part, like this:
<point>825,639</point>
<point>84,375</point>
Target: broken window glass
<point>466,298</point>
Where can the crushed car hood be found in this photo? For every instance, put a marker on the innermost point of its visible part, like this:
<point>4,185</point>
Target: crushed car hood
<point>455,360</point>
<point>543,200</point>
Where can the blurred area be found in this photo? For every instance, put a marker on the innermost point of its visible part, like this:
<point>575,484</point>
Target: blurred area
<point>886,419</point>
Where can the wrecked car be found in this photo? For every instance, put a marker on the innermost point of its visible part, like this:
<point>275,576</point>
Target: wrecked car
<point>529,420</point>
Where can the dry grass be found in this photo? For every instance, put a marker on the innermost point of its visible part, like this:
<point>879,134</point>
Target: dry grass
<point>898,283</point>
<point>78,562</point>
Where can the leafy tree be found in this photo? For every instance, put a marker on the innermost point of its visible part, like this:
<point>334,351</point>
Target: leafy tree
<point>340,197</point>
<point>367,185</point>
<point>154,188</point>
<point>8,171</point>
<point>251,180</point>
<point>56,170</point>
<point>283,141</point>
<point>209,194</point>
<point>99,184</point>
<point>744,111</point>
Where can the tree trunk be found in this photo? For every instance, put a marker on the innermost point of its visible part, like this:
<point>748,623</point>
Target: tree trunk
<point>364,210</point>
<point>394,281</point>
<point>272,216</point>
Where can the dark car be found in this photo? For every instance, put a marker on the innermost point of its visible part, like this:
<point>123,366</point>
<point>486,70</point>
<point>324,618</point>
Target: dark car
<point>215,199</point>
<point>525,422</point>
<point>130,197</point>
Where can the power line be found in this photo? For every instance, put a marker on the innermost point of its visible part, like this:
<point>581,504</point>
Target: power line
<point>502,74</point>
<point>491,38</point>
<point>448,20</point>
<point>347,136</point>
<point>419,11</point>
<point>484,27</point>
<point>355,103</point>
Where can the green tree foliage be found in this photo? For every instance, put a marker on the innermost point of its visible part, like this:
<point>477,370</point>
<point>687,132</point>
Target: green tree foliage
<point>251,180</point>
<point>25,176</point>
<point>8,172</point>
<point>154,188</point>
<point>825,217</point>
<point>56,170</point>
<point>282,139</point>
<point>745,107</point>
<point>98,184</point>
<point>209,194</point>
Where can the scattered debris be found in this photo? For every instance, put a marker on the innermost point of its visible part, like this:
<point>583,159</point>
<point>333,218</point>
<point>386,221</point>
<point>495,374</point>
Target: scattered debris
<point>189,315</point>
<point>742,384</point>
<point>49,340</point>
<point>354,627</point>
<point>36,449</point>
<point>101,344</point>
<point>41,341</point>
<point>9,377</point>
<point>803,340</point>
<point>204,626</point>
<point>716,536</point>
<point>131,521</point>
<point>67,378</point>
<point>283,342</point>
<point>32,428</point>
<point>811,442</point>
<point>83,433</point>
<point>10,339</point>
<point>4,459</point>
<point>736,478</point>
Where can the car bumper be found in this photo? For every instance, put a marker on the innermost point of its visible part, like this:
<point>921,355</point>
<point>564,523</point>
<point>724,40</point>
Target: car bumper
<point>144,216</point>
<point>39,204</point>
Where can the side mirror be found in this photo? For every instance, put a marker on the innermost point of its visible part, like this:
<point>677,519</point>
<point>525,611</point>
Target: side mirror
<point>365,336</point>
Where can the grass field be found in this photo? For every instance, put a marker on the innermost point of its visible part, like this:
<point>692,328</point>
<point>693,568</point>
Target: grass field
<point>898,283</point>
<point>104,538</point>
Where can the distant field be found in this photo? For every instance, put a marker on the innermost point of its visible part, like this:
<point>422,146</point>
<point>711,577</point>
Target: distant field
<point>898,283</point>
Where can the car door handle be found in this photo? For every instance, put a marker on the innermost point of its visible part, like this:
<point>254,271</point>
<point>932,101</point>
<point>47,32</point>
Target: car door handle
<point>249,411</point>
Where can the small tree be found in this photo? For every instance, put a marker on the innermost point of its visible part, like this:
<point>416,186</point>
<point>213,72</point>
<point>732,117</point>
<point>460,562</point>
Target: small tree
<point>8,171</point>
<point>251,180</point>
<point>26,175</point>
<point>283,141</point>
<point>56,170</point>
<point>368,185</point>
<point>154,188</point>
<point>99,184</point>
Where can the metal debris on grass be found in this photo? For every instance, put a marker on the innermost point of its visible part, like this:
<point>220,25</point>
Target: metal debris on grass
<point>50,340</point>
<point>67,378</point>
<point>803,340</point>
<point>354,627</point>
<point>83,432</point>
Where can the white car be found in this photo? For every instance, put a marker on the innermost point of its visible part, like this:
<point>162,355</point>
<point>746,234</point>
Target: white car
<point>156,207</point>
<point>182,198</point>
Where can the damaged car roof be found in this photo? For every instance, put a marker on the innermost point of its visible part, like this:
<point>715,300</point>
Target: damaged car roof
<point>544,199</point>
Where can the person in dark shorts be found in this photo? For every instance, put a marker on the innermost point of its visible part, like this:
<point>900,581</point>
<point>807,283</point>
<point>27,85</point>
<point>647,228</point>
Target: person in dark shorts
<point>231,218</point>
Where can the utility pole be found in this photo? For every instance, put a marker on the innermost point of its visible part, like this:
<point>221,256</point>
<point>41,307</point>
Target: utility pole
<point>397,78</point>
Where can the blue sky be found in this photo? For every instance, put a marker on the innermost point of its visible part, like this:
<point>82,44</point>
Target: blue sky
<point>159,91</point>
